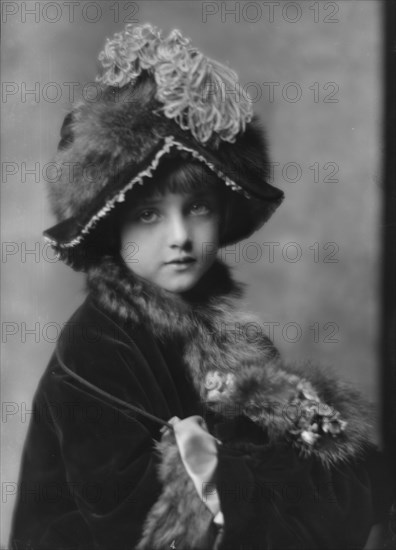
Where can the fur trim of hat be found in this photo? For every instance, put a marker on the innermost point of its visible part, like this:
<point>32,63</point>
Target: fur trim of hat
<point>156,97</point>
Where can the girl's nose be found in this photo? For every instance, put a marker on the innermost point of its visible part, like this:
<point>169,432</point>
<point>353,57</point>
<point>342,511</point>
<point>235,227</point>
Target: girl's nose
<point>179,230</point>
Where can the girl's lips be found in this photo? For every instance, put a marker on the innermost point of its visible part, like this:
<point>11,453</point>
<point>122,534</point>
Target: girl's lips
<point>183,261</point>
<point>182,265</point>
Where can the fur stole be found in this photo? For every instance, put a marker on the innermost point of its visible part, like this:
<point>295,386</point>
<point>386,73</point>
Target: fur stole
<point>304,406</point>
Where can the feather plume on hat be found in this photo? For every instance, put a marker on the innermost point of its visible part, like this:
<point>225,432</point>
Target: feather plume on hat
<point>194,89</point>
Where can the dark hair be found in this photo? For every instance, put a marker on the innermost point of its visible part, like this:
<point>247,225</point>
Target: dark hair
<point>178,173</point>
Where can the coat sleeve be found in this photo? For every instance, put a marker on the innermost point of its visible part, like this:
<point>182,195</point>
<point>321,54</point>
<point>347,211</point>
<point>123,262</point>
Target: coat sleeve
<point>98,459</point>
<point>283,501</point>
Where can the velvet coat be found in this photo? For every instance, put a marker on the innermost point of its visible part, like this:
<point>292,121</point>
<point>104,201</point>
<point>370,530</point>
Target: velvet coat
<point>96,476</point>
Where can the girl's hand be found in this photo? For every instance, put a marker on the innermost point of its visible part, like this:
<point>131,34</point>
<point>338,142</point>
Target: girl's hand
<point>167,431</point>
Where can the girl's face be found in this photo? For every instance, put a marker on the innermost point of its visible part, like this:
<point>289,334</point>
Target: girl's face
<point>165,228</point>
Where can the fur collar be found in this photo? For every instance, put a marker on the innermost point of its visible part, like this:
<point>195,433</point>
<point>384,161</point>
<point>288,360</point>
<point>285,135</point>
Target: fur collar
<point>304,405</point>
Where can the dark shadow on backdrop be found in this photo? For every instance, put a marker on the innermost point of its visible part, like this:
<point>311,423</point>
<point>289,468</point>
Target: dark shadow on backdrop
<point>388,328</point>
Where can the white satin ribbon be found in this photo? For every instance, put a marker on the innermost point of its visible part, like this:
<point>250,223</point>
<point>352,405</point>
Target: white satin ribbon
<point>198,451</point>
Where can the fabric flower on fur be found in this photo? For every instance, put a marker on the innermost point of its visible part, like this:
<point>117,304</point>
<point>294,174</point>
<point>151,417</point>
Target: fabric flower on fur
<point>199,93</point>
<point>316,419</point>
<point>219,385</point>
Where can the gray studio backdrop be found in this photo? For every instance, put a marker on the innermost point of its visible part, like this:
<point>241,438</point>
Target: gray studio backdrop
<point>313,70</point>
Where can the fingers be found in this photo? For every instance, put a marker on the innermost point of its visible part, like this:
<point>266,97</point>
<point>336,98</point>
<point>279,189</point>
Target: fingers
<point>180,425</point>
<point>174,420</point>
<point>165,430</point>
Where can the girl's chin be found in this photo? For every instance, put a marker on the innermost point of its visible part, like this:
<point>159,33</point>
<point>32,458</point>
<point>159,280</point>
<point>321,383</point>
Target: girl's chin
<point>182,279</point>
<point>175,278</point>
<point>181,283</point>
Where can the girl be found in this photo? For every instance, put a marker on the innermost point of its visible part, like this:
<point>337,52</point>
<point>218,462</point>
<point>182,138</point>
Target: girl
<point>157,424</point>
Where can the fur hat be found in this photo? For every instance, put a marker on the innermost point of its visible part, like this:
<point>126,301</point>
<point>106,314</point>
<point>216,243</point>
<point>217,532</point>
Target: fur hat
<point>156,97</point>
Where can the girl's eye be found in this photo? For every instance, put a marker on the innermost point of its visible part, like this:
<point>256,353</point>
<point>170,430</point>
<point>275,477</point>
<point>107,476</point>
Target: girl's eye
<point>147,216</point>
<point>199,208</point>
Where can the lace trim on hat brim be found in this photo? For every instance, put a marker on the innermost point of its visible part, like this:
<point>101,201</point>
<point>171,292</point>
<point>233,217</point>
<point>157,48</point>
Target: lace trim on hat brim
<point>138,179</point>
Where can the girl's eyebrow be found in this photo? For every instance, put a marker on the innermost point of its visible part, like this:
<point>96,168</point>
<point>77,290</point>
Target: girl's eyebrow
<point>153,199</point>
<point>193,194</point>
<point>203,192</point>
<point>150,200</point>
